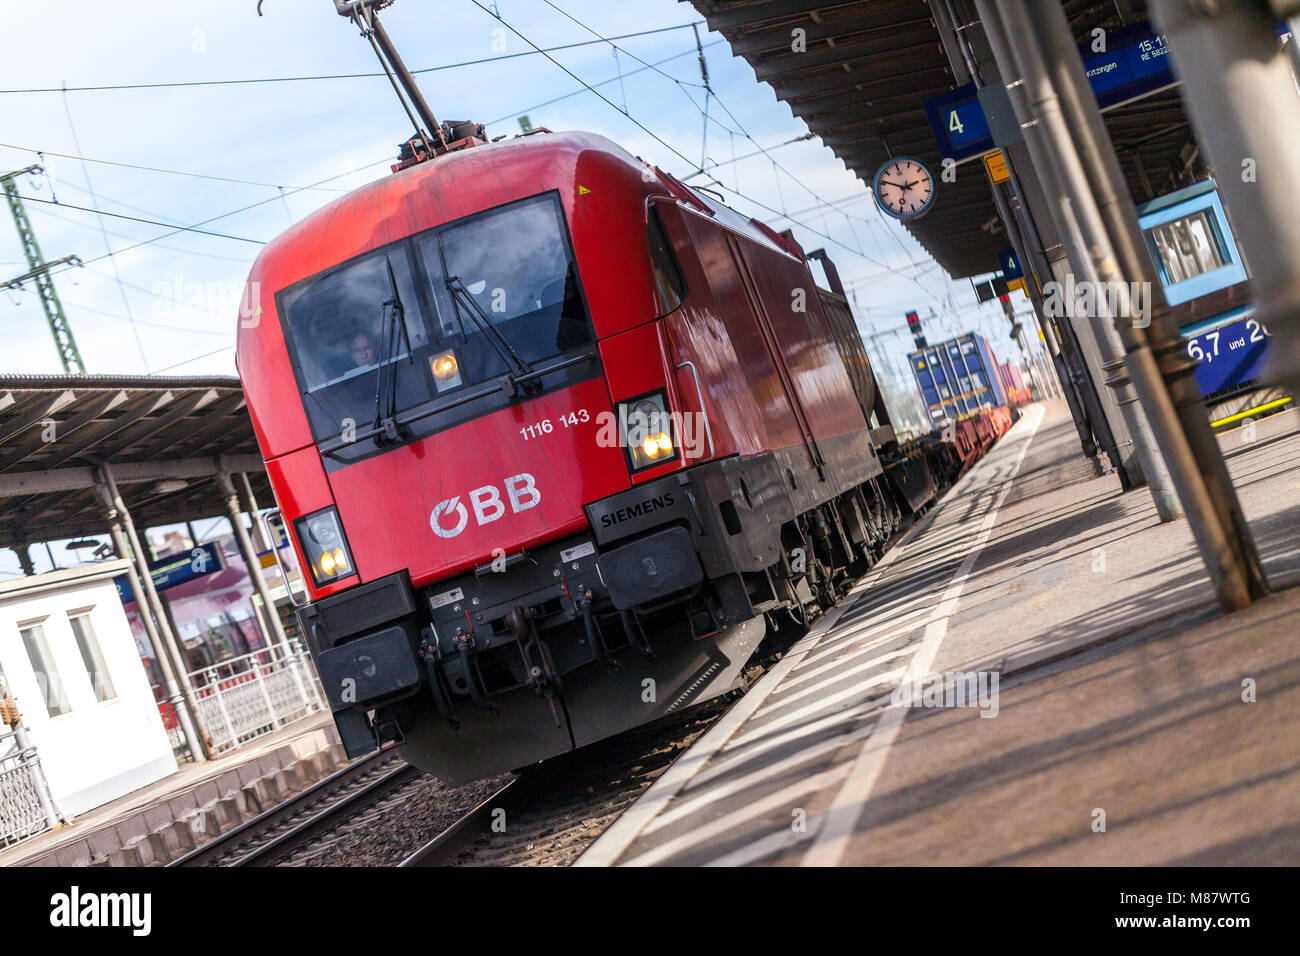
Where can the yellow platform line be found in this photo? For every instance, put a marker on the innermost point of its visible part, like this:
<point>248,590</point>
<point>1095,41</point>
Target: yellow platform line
<point>1267,406</point>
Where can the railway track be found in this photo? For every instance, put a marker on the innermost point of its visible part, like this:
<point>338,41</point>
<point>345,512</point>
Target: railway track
<point>291,829</point>
<point>547,815</point>
<point>543,816</point>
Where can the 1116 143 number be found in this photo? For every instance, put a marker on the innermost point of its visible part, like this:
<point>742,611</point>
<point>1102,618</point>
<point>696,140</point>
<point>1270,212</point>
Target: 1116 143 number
<point>548,425</point>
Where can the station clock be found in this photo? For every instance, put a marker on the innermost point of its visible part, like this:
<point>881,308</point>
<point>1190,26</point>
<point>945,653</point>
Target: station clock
<point>904,188</point>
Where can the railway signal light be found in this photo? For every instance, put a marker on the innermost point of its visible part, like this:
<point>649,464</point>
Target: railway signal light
<point>914,324</point>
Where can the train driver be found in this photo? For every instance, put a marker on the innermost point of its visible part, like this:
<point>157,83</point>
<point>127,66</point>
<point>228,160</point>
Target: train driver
<point>362,348</point>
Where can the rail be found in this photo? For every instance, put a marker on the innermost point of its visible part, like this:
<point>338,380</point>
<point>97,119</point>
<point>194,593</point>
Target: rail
<point>292,823</point>
<point>447,845</point>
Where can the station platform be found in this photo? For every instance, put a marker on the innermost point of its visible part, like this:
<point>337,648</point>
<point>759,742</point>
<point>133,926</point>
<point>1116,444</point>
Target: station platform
<point>158,823</point>
<point>1103,713</point>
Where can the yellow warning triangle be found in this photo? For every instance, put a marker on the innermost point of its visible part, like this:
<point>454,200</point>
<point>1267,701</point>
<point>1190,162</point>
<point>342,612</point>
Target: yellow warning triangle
<point>583,190</point>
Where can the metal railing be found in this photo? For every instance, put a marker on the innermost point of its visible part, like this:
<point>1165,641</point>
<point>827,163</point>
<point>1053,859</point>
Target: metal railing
<point>255,694</point>
<point>25,807</point>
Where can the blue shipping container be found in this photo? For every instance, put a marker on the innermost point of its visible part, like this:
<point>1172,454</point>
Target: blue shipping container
<point>958,377</point>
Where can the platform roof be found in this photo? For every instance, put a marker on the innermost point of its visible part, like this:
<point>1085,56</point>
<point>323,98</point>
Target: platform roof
<point>869,67</point>
<point>55,430</point>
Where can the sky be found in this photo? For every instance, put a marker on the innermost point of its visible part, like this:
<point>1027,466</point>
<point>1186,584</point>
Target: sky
<point>144,304</point>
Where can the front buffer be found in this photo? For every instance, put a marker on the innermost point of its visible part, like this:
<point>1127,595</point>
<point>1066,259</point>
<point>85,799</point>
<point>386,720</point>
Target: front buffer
<point>566,644</point>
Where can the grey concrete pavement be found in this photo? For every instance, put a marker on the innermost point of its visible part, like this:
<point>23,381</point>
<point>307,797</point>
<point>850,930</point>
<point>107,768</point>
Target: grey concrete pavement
<point>1155,734</point>
<point>1119,690</point>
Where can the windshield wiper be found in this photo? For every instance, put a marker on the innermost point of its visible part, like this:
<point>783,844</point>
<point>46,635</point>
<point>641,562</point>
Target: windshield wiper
<point>386,376</point>
<point>521,376</point>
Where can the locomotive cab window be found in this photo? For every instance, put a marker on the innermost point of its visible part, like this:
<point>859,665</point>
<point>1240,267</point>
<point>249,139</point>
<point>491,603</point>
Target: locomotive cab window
<point>670,287</point>
<point>505,284</point>
<point>348,324</point>
<point>417,322</point>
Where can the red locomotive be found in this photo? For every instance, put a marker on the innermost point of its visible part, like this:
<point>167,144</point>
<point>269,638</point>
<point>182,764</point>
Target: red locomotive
<point>554,432</point>
<point>559,440</point>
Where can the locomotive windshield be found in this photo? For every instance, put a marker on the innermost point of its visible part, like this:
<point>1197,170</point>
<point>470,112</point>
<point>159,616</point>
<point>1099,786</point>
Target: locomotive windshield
<point>341,323</point>
<point>480,298</point>
<point>516,265</point>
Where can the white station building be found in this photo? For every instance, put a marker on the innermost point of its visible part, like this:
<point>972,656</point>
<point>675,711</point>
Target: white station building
<point>68,658</point>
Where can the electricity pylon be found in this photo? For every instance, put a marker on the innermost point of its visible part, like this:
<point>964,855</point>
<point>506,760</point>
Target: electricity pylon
<point>39,271</point>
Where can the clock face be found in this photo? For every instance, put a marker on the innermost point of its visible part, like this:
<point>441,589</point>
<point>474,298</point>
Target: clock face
<point>904,188</point>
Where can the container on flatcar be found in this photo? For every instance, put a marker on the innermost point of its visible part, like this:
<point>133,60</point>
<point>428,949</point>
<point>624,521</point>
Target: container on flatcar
<point>958,377</point>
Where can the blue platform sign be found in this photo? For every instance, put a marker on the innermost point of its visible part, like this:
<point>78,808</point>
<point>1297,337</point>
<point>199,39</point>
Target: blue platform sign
<point>1229,355</point>
<point>177,569</point>
<point>1130,70</point>
<point>1136,63</point>
<point>958,123</point>
<point>1010,265</point>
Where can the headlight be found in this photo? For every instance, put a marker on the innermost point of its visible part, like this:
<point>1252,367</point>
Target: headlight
<point>647,430</point>
<point>323,544</point>
<point>446,370</point>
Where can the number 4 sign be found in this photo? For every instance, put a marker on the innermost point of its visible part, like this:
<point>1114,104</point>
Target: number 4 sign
<point>1010,265</point>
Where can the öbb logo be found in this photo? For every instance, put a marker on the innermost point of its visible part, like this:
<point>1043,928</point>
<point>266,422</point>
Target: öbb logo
<point>521,490</point>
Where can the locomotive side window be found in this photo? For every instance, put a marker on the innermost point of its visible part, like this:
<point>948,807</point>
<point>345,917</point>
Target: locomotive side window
<point>510,268</point>
<point>670,287</point>
<point>344,326</point>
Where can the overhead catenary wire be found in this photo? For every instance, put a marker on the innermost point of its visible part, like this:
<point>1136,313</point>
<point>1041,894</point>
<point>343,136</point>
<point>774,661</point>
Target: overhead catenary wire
<point>197,358</point>
<point>613,79</point>
<point>195,228</point>
<point>715,164</point>
<point>639,125</point>
<point>153,325</point>
<point>586,87</point>
<point>681,84</point>
<point>292,190</point>
<point>281,193</point>
<point>154,291</point>
<point>99,218</point>
<point>158,169</point>
<point>244,81</point>
<point>224,215</point>
<point>152,222</point>
<point>708,92</point>
<point>677,153</point>
<point>49,211</point>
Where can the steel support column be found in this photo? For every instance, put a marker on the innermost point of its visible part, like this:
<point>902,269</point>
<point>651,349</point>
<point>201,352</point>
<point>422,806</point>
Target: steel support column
<point>1084,266</point>
<point>1161,339</point>
<point>1058,156</point>
<point>277,635</point>
<point>121,530</point>
<point>248,502</point>
<point>1070,362</point>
